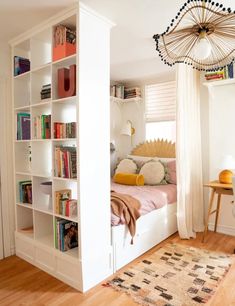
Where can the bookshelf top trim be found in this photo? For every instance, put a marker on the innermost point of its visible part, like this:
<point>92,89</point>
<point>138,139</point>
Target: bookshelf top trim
<point>219,82</point>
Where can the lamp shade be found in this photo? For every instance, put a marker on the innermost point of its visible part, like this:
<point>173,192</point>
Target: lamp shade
<point>228,162</point>
<point>127,128</point>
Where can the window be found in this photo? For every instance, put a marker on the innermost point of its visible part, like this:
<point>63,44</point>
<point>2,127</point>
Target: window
<point>160,111</point>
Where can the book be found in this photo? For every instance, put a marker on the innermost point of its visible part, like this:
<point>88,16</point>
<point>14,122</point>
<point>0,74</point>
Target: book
<point>21,65</point>
<point>23,126</point>
<point>66,234</point>
<point>65,161</point>
<point>60,196</point>
<point>25,191</point>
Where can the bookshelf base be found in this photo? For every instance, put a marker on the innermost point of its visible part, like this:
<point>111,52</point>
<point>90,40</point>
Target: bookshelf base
<point>63,267</point>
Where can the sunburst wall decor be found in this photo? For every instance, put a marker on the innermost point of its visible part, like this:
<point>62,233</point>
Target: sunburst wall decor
<point>201,35</point>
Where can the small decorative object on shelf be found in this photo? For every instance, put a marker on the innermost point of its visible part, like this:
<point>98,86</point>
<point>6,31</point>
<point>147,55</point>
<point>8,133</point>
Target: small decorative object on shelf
<point>23,126</point>
<point>67,82</point>
<point>225,73</point>
<point>122,92</point>
<point>65,162</point>
<point>25,192</point>
<point>46,187</point>
<point>46,92</point>
<point>21,65</point>
<point>66,234</point>
<point>42,127</point>
<point>64,42</point>
<point>64,130</point>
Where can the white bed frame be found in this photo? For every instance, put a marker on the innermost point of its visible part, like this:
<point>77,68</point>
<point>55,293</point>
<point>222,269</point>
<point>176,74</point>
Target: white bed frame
<point>151,228</point>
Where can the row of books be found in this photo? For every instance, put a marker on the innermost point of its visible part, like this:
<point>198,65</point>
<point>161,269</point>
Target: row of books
<point>132,92</point>
<point>23,126</point>
<point>225,73</point>
<point>42,127</point>
<point>66,235</point>
<point>25,192</point>
<point>64,204</point>
<point>64,130</point>
<point>21,65</point>
<point>46,92</point>
<point>65,162</point>
<point>122,92</point>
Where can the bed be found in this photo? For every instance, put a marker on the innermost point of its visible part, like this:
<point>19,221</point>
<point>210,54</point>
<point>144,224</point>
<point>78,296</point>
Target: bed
<point>154,226</point>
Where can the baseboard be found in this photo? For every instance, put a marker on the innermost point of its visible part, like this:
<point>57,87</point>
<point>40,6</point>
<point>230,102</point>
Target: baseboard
<point>223,229</point>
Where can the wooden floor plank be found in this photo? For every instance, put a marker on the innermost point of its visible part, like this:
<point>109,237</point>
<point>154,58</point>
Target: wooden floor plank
<point>22,284</point>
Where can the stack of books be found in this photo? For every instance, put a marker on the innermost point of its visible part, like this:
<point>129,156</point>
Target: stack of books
<point>65,158</point>
<point>66,235</point>
<point>23,126</point>
<point>64,130</point>
<point>225,73</point>
<point>117,91</point>
<point>46,92</point>
<point>132,92</point>
<point>121,92</point>
<point>25,192</point>
<point>42,127</point>
<point>64,205</point>
<point>21,65</point>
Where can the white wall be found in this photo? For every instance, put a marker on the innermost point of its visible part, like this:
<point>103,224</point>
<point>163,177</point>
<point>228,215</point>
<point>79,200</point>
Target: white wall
<point>6,149</point>
<point>217,114</point>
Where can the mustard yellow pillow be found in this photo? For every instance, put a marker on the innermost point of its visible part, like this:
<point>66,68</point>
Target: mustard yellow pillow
<point>129,179</point>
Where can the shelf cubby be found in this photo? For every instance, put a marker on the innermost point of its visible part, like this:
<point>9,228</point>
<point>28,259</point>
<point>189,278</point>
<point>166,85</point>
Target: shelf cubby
<point>40,46</point>
<point>44,228</point>
<point>23,156</point>
<point>40,109</point>
<point>25,224</point>
<point>22,90</point>
<point>64,63</point>
<point>39,78</point>
<point>20,178</point>
<point>42,201</point>
<point>69,252</point>
<point>41,159</point>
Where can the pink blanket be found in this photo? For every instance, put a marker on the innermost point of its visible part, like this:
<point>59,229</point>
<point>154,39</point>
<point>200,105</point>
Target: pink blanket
<point>150,197</point>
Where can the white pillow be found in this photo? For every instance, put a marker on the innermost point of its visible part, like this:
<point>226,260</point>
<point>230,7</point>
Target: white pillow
<point>126,166</point>
<point>153,172</point>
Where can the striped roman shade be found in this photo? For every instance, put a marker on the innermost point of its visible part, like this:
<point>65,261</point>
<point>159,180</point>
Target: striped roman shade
<point>160,102</point>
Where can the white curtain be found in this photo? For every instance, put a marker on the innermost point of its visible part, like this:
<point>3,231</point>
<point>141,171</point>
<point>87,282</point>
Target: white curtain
<point>188,153</point>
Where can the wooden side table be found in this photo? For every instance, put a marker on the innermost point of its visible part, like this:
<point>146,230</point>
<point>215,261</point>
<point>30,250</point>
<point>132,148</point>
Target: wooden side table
<point>219,189</point>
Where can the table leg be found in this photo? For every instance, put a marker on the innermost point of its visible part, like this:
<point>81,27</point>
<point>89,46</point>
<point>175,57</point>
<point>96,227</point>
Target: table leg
<point>217,211</point>
<point>208,215</point>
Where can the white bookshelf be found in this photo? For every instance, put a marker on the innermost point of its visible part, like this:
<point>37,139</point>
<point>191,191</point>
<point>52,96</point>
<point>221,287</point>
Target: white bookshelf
<point>35,158</point>
<point>219,82</point>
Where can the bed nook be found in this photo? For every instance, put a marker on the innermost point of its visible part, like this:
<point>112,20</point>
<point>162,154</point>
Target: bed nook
<point>157,198</point>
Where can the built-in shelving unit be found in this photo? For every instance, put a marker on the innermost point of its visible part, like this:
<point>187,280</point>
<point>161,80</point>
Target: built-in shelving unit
<point>219,82</point>
<point>124,101</point>
<point>37,226</point>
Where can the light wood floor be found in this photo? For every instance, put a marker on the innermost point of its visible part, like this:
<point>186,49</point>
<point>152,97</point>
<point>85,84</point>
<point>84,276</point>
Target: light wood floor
<point>23,284</point>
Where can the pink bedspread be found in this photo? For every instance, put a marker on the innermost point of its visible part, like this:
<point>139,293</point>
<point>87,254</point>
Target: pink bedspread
<point>150,197</point>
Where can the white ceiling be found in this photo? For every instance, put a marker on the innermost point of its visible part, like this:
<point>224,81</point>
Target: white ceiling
<point>133,54</point>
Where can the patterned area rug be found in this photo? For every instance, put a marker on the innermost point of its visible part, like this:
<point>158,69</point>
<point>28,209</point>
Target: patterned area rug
<point>174,275</point>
